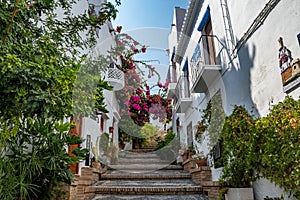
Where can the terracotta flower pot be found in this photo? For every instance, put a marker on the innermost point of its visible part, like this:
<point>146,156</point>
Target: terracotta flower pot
<point>96,165</point>
<point>201,163</point>
<point>185,156</point>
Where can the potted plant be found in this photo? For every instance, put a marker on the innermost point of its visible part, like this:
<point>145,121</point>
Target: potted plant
<point>200,159</point>
<point>191,151</point>
<point>238,155</point>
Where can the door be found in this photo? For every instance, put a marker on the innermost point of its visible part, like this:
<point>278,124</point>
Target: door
<point>208,44</point>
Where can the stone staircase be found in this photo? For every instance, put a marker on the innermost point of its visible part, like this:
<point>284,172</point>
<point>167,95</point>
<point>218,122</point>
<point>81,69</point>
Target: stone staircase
<point>141,175</point>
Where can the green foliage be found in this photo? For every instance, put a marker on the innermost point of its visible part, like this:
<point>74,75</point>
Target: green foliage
<point>164,142</point>
<point>37,160</point>
<point>216,118</point>
<point>239,148</point>
<point>212,120</point>
<point>149,131</point>
<point>267,146</point>
<point>40,58</point>
<point>104,141</point>
<point>279,145</point>
<point>169,151</point>
<point>128,130</point>
<point>169,147</point>
<point>40,55</point>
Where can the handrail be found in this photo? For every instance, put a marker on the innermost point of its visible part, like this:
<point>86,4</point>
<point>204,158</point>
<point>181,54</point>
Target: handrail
<point>202,55</point>
<point>182,87</point>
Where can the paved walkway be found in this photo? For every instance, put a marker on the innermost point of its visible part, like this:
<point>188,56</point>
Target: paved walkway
<point>143,176</point>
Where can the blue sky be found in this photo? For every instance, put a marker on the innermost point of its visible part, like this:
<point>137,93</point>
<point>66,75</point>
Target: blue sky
<point>149,22</point>
<point>147,13</point>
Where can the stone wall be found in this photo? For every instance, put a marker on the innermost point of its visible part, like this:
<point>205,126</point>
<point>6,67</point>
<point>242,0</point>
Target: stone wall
<point>202,176</point>
<point>78,190</point>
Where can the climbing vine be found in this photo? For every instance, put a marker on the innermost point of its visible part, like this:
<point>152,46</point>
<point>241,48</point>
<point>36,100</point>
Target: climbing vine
<point>263,147</point>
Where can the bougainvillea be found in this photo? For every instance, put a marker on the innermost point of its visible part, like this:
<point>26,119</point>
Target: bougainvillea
<point>135,98</point>
<point>142,106</point>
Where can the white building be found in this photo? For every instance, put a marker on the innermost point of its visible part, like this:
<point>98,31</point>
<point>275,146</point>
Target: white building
<point>92,127</point>
<point>231,47</point>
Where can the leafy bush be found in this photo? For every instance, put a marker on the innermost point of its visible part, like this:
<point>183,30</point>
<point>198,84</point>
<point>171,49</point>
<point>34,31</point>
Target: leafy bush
<point>33,164</point>
<point>167,139</point>
<point>167,149</point>
<point>264,147</point>
<point>239,148</point>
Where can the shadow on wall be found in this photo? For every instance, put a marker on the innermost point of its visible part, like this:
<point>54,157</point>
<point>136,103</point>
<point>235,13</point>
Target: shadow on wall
<point>238,83</point>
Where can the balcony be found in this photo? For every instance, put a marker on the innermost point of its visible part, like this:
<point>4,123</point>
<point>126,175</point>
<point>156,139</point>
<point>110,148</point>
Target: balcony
<point>115,78</point>
<point>205,63</point>
<point>182,98</point>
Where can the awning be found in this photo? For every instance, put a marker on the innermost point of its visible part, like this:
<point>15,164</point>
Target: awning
<point>185,66</point>
<point>204,19</point>
<point>172,57</point>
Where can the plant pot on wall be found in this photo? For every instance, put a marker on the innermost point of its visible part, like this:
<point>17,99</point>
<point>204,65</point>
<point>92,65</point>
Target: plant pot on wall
<point>201,163</point>
<point>96,165</point>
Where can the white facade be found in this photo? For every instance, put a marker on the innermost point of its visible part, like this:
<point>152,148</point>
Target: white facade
<point>93,128</point>
<point>250,76</point>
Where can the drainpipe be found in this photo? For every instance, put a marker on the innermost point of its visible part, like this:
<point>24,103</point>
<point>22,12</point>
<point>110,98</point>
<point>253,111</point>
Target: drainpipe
<point>255,25</point>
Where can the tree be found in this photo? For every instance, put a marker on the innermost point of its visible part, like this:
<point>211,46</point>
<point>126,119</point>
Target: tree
<point>40,56</point>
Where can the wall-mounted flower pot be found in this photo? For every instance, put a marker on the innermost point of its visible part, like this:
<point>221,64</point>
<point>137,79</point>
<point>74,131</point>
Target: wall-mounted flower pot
<point>96,165</point>
<point>239,194</point>
<point>201,163</point>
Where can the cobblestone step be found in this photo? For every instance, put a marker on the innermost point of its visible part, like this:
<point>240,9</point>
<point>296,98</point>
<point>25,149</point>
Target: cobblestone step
<point>147,183</point>
<point>142,175</point>
<point>142,160</point>
<point>150,176</point>
<point>151,197</point>
<point>146,190</point>
<point>145,167</point>
<point>144,150</point>
<point>135,155</point>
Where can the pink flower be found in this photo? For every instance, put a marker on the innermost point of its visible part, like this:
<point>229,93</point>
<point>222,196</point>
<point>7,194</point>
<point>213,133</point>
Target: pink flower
<point>145,107</point>
<point>160,84</point>
<point>143,49</point>
<point>149,76</point>
<point>136,107</point>
<point>118,29</point>
<point>147,87</point>
<point>135,98</point>
<point>131,65</point>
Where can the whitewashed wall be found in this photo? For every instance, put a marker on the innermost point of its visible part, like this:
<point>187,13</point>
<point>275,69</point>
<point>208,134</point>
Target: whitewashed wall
<point>253,78</point>
<point>105,41</point>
